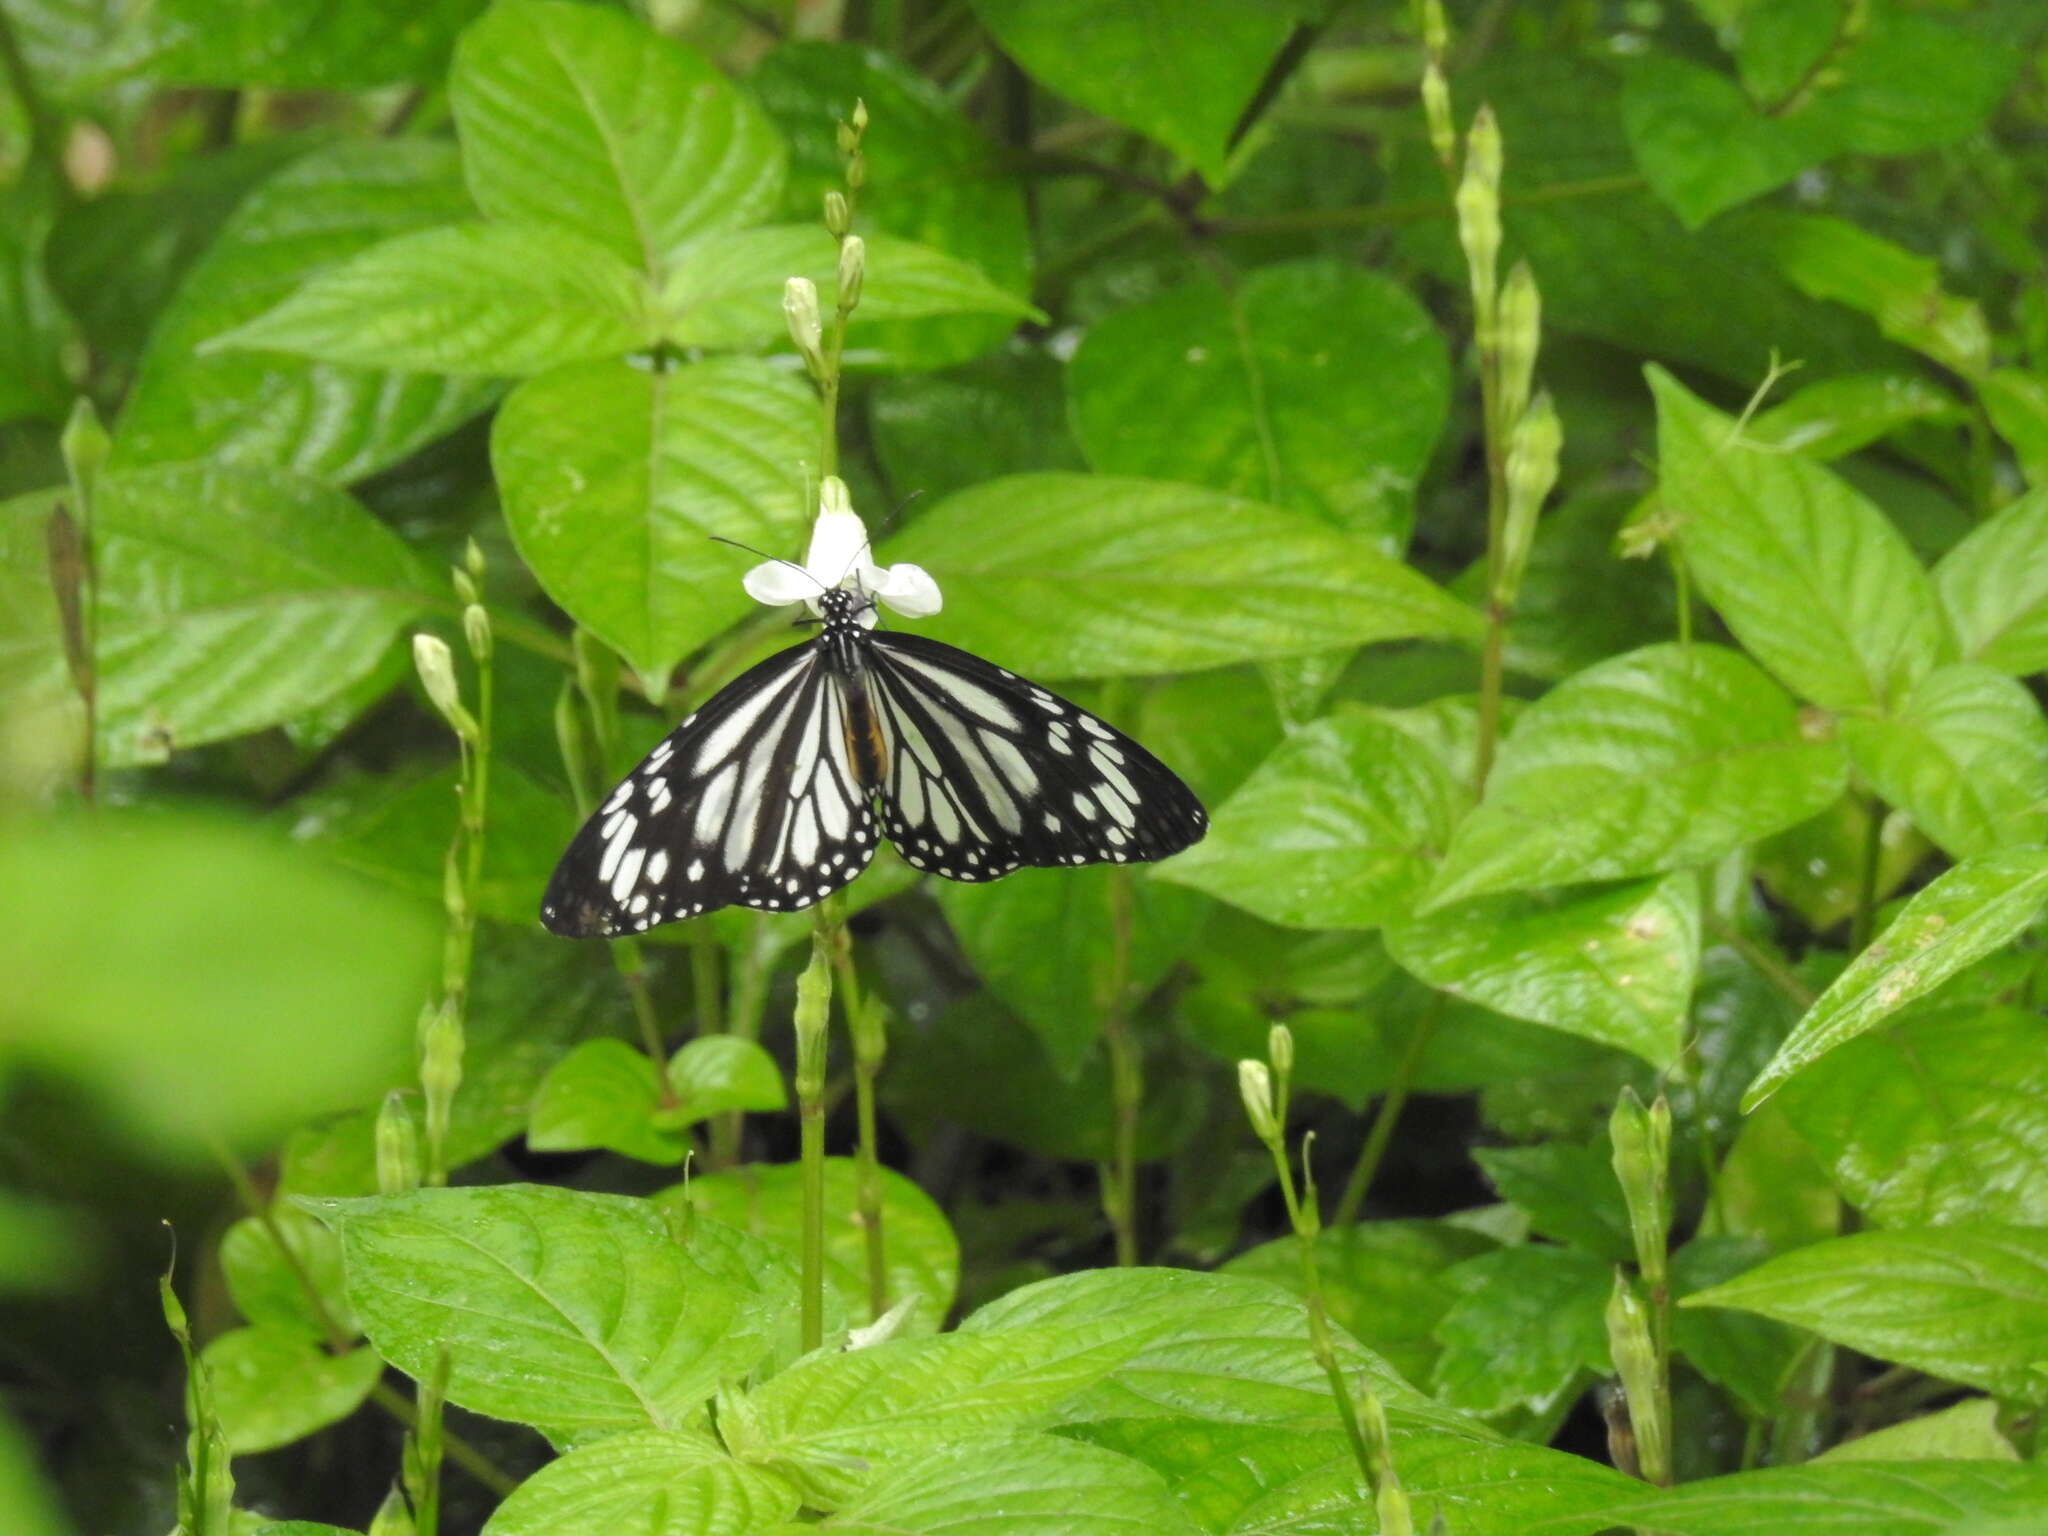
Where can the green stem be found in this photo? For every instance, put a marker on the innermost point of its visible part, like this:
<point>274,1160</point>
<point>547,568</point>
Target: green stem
<point>813,1014</point>
<point>1864,919</point>
<point>1127,1078</point>
<point>870,1049</point>
<point>1392,1102</point>
<point>1768,965</point>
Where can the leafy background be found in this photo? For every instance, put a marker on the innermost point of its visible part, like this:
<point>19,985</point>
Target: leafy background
<point>1165,366</point>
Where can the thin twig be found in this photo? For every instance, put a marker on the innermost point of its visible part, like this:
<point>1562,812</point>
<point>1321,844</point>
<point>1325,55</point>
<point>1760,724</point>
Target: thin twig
<point>1392,1102</point>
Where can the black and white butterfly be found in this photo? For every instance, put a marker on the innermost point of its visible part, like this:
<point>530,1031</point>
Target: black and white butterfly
<point>766,797</point>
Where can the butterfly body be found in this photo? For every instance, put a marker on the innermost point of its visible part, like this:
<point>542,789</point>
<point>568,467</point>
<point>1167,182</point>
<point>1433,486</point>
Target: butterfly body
<point>766,796</point>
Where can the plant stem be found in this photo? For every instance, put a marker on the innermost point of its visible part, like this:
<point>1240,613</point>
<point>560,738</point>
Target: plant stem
<point>1768,965</point>
<point>1863,921</point>
<point>1126,1078</point>
<point>870,1049</point>
<point>1392,1102</point>
<point>813,1012</point>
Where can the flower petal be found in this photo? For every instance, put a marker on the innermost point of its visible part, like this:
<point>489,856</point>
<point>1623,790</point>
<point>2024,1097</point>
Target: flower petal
<point>909,589</point>
<point>779,582</point>
<point>839,542</point>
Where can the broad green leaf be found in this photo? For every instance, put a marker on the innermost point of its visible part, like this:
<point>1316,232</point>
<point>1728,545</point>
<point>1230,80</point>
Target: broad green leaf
<point>469,298</point>
<point>1702,143</point>
<point>322,419</point>
<point>605,1093</point>
<point>654,1482</point>
<point>726,289</point>
<point>230,599</point>
<point>570,1311</point>
<point>1095,576</point>
<point>272,1386</point>
<point>1016,1485</point>
<point>1914,1498</point>
<point>1965,755</point>
<point>267,1286</point>
<point>296,45</point>
<point>1837,416</point>
<point>1772,1189</point>
<point>1966,1302</point>
<point>1752,1358</point>
<point>933,176</point>
<point>835,1418</point>
<point>1044,941</point>
<point>1311,385</point>
<point>1828,258</point>
<point>587,117</point>
<point>1965,1431</point>
<point>1337,829</point>
<point>764,1271</point>
<point>1526,1323</point>
<point>34,332</point>
<point>1177,721</point>
<point>1615,964</point>
<point>1666,757</point>
<point>1187,1322</point>
<point>1813,580</point>
<point>1816,868</point>
<point>1568,1190</point>
<point>1381,1280</point>
<point>206,981</point>
<point>1942,1116</point>
<point>766,1200</point>
<point>935,434</point>
<point>1994,588</point>
<point>1971,910</point>
<point>616,479</point>
<point>1247,1479</point>
<point>2016,400</point>
<point>716,1073</point>
<point>1179,73</point>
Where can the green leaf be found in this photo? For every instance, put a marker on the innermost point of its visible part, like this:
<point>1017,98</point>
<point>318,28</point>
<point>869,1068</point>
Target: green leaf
<point>1907,1499</point>
<point>1187,1321</point>
<point>570,1311</point>
<point>616,479</point>
<point>1289,1482</point>
<point>1995,592</point>
<point>1830,258</point>
<point>28,1502</point>
<point>1615,964</point>
<point>296,45</point>
<point>1971,910</point>
<point>321,419</point>
<point>605,1093</point>
<point>1751,1357</point>
<point>716,1073</point>
<point>1965,1431</point>
<point>588,118</point>
<point>652,1481</point>
<point>766,1201</point>
<point>266,1285</point>
<point>1816,868</point>
<point>2016,400</point>
<point>933,176</point>
<point>1568,1190</point>
<point>1044,941</point>
<point>1659,759</point>
<point>1772,1188</point>
<point>230,599</point>
<point>1311,385</point>
<point>1016,1485</point>
<point>939,433</point>
<point>34,331</point>
<point>206,981</point>
<point>1702,144</point>
<point>1094,576</point>
<point>1965,755</point>
<point>1179,73</point>
<point>1177,720</point>
<point>836,1418</point>
<point>1966,1302</point>
<point>1837,416</point>
<point>726,289</point>
<point>1813,580</point>
<point>272,1386</point>
<point>1526,1323</point>
<point>1337,829</point>
<point>1381,1280</point>
<point>1940,1117</point>
<point>468,298</point>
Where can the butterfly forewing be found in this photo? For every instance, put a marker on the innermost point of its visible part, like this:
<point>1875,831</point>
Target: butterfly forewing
<point>987,771</point>
<point>752,801</point>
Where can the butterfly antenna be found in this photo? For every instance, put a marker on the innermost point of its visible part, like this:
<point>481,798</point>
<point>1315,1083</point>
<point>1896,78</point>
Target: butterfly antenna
<point>764,555</point>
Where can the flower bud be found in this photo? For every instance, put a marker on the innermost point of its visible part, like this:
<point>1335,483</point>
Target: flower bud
<point>398,1147</point>
<point>833,496</point>
<point>1280,1051</point>
<point>441,1060</point>
<point>860,116</point>
<point>1521,330</point>
<point>464,585</point>
<point>393,1518</point>
<point>1255,1087</point>
<point>473,559</point>
<point>838,217</point>
<point>430,655</point>
<point>1436,32</point>
<point>1478,204</point>
<point>174,1309</point>
<point>856,173</point>
<point>85,446</point>
<point>1436,111</point>
<point>454,896</point>
<point>1389,1497</point>
<point>1635,1361</point>
<point>1531,472</point>
<point>476,629</point>
<point>813,1013</point>
<point>1642,1158</point>
<point>800,309</point>
<point>853,262</point>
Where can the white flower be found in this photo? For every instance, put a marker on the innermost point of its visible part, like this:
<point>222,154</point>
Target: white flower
<point>840,557</point>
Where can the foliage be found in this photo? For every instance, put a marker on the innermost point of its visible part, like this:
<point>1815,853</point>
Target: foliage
<point>1567,485</point>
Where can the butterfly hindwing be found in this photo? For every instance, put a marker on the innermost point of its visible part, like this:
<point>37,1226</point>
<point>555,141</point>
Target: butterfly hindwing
<point>987,771</point>
<point>751,801</point>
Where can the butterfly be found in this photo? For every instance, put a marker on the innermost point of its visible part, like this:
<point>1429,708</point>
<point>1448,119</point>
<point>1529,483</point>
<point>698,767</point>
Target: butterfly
<point>767,796</point>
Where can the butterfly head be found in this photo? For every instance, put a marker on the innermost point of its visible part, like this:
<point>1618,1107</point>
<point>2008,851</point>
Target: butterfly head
<point>846,608</point>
